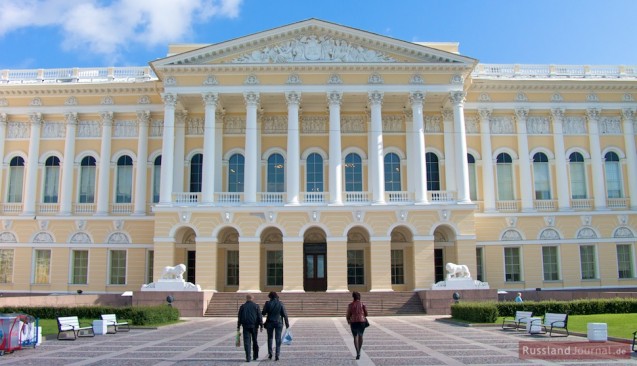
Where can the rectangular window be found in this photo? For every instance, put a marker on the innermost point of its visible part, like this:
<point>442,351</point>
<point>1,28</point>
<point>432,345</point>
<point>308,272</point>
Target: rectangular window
<point>397,267</point>
<point>117,267</point>
<point>51,183</point>
<point>42,270</point>
<point>87,184</point>
<point>79,269</point>
<point>588,262</point>
<point>578,180</point>
<point>505,182</point>
<point>232,270</point>
<point>473,183</point>
<point>275,268</point>
<point>355,267</point>
<point>16,174</point>
<point>512,267</point>
<point>6,265</point>
<point>150,265</point>
<point>479,264</point>
<point>625,261</point>
<point>542,181</point>
<point>550,263</point>
<point>124,185</point>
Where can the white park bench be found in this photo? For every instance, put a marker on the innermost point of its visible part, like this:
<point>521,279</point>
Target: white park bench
<point>70,325</point>
<point>519,320</point>
<point>112,323</point>
<point>553,321</point>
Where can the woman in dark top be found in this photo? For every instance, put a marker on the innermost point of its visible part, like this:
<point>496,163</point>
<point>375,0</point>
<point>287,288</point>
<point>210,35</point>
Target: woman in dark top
<point>275,310</point>
<point>357,320</point>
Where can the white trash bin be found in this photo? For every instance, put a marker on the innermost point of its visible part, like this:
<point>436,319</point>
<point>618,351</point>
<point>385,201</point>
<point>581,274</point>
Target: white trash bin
<point>597,332</point>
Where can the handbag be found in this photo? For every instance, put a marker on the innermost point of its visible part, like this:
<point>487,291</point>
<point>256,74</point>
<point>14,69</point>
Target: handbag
<point>287,337</point>
<point>237,339</point>
<point>366,323</point>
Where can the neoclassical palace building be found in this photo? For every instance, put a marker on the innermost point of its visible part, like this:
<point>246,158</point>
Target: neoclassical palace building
<point>317,157</point>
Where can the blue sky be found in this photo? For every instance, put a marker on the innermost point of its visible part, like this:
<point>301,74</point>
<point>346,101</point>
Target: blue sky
<point>91,33</point>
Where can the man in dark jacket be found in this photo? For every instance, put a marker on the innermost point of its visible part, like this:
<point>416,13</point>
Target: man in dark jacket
<point>250,318</point>
<point>275,310</point>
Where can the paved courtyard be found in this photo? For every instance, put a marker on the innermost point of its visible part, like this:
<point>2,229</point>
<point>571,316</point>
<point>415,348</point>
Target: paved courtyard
<point>405,340</point>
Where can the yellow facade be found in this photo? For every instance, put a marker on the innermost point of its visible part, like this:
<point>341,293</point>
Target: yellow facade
<point>226,158</point>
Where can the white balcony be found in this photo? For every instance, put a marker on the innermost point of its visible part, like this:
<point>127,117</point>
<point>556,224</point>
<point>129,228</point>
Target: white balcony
<point>271,197</point>
<point>48,208</point>
<point>617,202</point>
<point>357,197</point>
<point>314,197</point>
<point>507,206</point>
<point>581,204</point>
<point>121,208</point>
<point>545,205</point>
<point>441,196</point>
<point>12,208</point>
<point>398,197</point>
<point>83,208</point>
<point>229,197</point>
<point>188,198</point>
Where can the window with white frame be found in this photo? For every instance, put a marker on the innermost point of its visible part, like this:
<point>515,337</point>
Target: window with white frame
<point>51,179</point>
<point>541,178</point>
<point>124,185</point>
<point>6,265</point>
<point>275,268</point>
<point>87,180</point>
<point>504,170</point>
<point>613,176</point>
<point>588,262</point>
<point>79,267</point>
<point>16,178</point>
<point>196,172</point>
<point>397,267</point>
<point>355,267</point>
<point>42,266</point>
<point>156,179</point>
<point>117,267</point>
<point>232,268</point>
<point>512,265</point>
<point>353,173</point>
<point>473,182</point>
<point>392,173</point>
<point>625,261</point>
<point>550,263</point>
<point>150,265</point>
<point>314,173</point>
<point>236,166</point>
<point>480,263</point>
<point>276,173</point>
<point>578,176</point>
<point>433,172</point>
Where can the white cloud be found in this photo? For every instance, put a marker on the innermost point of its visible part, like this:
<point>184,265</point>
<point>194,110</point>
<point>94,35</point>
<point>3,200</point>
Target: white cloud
<point>108,27</point>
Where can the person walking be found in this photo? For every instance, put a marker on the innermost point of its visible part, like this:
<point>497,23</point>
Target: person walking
<point>519,297</point>
<point>250,318</point>
<point>357,320</point>
<point>277,315</point>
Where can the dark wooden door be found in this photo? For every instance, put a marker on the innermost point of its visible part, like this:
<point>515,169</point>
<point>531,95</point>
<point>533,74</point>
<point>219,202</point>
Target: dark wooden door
<point>439,264</point>
<point>315,267</point>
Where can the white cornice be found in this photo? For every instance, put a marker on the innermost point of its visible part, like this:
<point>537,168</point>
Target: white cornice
<point>88,109</point>
<point>278,89</point>
<point>546,105</point>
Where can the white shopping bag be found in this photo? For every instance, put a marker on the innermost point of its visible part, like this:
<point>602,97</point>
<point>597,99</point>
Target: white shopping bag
<point>287,337</point>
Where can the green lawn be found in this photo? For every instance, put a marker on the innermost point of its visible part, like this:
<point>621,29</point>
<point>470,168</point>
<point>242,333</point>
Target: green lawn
<point>50,326</point>
<point>619,325</point>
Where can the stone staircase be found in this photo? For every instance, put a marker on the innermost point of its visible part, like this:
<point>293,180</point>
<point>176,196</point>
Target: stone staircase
<point>310,304</point>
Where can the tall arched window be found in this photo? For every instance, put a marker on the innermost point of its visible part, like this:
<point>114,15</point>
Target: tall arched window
<point>473,185</point>
<point>87,180</point>
<point>314,173</point>
<point>276,173</point>
<point>16,178</point>
<point>156,178</point>
<point>124,186</point>
<point>353,173</point>
<point>504,169</point>
<point>433,172</point>
<point>51,180</point>
<point>392,173</point>
<point>541,178</point>
<point>196,168</point>
<point>613,176</point>
<point>578,176</point>
<point>236,166</point>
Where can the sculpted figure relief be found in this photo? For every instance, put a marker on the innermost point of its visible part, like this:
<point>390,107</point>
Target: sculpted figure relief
<point>174,273</point>
<point>457,271</point>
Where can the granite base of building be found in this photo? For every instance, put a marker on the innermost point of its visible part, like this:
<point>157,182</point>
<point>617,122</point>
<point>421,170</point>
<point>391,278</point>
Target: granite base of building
<point>438,302</point>
<point>189,303</point>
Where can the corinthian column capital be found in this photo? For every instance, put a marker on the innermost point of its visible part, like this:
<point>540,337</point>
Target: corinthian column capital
<point>593,113</point>
<point>143,117</point>
<point>628,113</point>
<point>375,97</point>
<point>416,97</point>
<point>210,99</point>
<point>169,99</point>
<point>485,114</point>
<point>457,97</point>
<point>334,98</point>
<point>36,118</point>
<point>557,113</point>
<point>107,118</point>
<point>251,98</point>
<point>3,118</point>
<point>71,118</point>
<point>521,114</point>
<point>293,98</point>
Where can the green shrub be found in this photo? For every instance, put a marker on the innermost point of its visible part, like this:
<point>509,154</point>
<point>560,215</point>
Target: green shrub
<point>476,312</point>
<point>574,307</point>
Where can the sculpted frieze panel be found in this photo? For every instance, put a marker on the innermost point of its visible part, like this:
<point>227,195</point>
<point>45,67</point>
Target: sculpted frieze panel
<point>275,124</point>
<point>53,130</point>
<point>501,125</point>
<point>610,126</point>
<point>574,126</point>
<point>125,129</point>
<point>472,125</point>
<point>18,130</point>
<point>156,128</point>
<point>234,125</point>
<point>7,237</point>
<point>195,126</point>
<point>89,129</point>
<point>433,124</point>
<point>393,123</point>
<point>313,48</point>
<point>537,125</point>
<point>314,124</point>
<point>353,124</point>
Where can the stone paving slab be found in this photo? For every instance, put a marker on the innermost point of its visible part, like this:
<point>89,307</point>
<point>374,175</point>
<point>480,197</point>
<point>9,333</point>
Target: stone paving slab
<point>399,341</point>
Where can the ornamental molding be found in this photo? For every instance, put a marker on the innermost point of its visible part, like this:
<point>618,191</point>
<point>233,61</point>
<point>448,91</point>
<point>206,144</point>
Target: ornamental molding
<point>538,126</point>
<point>393,123</point>
<point>353,124</point>
<point>314,124</point>
<point>53,130</point>
<point>275,125</point>
<point>234,125</point>
<point>94,89</point>
<point>195,126</point>
<point>18,130</point>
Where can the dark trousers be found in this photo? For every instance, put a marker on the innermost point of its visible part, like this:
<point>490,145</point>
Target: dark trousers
<point>276,331</point>
<point>250,336</point>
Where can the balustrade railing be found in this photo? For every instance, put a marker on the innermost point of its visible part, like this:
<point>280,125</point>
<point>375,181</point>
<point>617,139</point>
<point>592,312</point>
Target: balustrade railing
<point>12,207</point>
<point>82,208</point>
<point>47,208</point>
<point>229,197</point>
<point>398,196</point>
<point>186,197</point>
<point>121,208</point>
<point>554,71</point>
<point>507,206</point>
<point>544,205</point>
<point>616,202</point>
<point>313,197</point>
<point>581,203</point>
<point>271,197</point>
<point>440,196</point>
<point>77,75</point>
<point>357,197</point>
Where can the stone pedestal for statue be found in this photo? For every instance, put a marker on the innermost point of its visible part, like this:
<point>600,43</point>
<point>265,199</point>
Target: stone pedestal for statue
<point>172,279</point>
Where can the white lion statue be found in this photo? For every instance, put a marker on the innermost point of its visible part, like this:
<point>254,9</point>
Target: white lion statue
<point>457,271</point>
<point>174,273</point>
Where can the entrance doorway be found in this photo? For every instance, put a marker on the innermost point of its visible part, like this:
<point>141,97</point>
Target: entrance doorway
<point>439,265</point>
<point>315,267</point>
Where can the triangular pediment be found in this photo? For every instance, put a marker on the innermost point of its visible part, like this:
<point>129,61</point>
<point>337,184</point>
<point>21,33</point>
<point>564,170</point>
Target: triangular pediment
<point>313,41</point>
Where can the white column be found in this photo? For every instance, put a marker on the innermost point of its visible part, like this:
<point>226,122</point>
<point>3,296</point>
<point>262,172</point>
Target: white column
<point>488,180</point>
<point>628,115</point>
<point>293,154</point>
<point>417,100</point>
<point>3,133</point>
<point>66,197</point>
<point>563,198</point>
<point>209,138</point>
<point>450,154</point>
<point>462,172</point>
<point>599,186</point>
<point>526,182</point>
<point>141,174</point>
<point>334,99</point>
<point>375,152</point>
<point>218,152</point>
<point>103,182</point>
<point>180,152</point>
<point>32,165</point>
<point>167,149</point>
<point>252,158</point>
